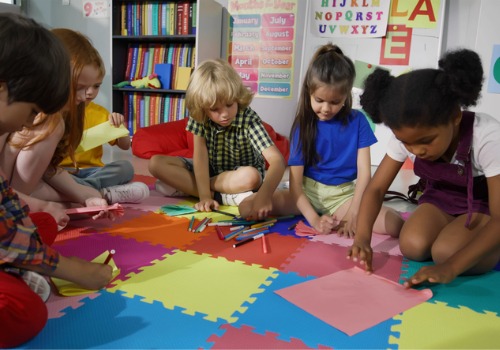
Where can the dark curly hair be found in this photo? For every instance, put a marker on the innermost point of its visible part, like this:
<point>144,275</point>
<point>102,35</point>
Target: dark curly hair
<point>424,97</point>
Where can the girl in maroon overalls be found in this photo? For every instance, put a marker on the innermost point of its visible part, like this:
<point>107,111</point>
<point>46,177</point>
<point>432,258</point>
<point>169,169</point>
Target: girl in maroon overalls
<point>457,220</point>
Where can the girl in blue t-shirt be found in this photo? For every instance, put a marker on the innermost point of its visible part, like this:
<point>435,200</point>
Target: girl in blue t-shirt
<point>330,152</point>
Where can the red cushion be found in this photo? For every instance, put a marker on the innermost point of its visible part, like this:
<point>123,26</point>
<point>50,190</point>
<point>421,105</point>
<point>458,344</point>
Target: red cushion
<point>172,139</point>
<point>166,138</point>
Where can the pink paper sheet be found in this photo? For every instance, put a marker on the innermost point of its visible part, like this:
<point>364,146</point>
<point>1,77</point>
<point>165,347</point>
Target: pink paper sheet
<point>352,301</point>
<point>117,208</point>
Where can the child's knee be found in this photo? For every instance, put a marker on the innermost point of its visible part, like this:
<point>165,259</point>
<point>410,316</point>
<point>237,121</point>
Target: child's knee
<point>250,179</point>
<point>414,247</point>
<point>154,164</point>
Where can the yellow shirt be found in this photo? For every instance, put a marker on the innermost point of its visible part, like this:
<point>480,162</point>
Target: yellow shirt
<point>94,115</point>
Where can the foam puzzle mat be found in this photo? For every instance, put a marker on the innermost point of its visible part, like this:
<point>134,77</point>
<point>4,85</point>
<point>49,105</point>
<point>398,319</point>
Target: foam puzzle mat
<point>183,290</point>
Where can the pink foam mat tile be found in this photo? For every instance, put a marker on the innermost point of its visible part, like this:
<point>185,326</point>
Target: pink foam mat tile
<point>380,243</point>
<point>56,304</point>
<point>153,203</point>
<point>320,259</point>
<point>245,338</point>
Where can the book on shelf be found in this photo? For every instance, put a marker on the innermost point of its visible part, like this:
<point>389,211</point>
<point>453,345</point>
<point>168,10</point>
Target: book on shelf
<point>182,78</point>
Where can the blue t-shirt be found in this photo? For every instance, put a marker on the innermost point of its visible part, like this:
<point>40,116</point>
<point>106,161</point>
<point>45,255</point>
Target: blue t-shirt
<point>337,146</point>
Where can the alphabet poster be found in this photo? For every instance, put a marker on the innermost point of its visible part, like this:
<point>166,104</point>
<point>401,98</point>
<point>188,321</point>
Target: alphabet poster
<point>348,18</point>
<point>261,44</point>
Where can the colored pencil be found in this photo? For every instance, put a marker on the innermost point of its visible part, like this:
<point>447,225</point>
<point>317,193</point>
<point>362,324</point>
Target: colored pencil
<point>191,222</point>
<point>264,223</point>
<point>110,255</point>
<point>264,244</point>
<point>203,224</point>
<point>224,212</point>
<point>245,236</point>
<point>240,243</point>
<point>219,233</point>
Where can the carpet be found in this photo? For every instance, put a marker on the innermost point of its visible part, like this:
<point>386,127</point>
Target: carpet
<point>180,289</point>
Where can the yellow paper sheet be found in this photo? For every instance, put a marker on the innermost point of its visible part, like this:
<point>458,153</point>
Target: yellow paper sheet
<point>69,289</point>
<point>99,135</point>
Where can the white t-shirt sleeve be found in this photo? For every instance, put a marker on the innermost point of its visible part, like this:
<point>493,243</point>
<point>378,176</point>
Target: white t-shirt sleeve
<point>397,151</point>
<point>486,145</point>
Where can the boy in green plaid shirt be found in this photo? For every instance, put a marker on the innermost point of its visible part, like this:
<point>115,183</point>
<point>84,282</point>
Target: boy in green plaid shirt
<point>231,146</point>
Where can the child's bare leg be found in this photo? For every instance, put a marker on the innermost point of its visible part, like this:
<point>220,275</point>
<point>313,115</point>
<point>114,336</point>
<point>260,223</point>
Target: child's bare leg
<point>48,193</point>
<point>388,222</point>
<point>456,236</point>
<point>421,230</point>
<point>173,172</point>
<point>243,179</point>
<point>283,204</point>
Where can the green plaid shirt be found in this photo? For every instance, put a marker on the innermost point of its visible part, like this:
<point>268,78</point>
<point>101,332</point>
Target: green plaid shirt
<point>239,144</point>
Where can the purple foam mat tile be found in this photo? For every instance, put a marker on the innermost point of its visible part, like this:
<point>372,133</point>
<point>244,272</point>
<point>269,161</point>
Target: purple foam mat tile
<point>130,255</point>
<point>320,259</point>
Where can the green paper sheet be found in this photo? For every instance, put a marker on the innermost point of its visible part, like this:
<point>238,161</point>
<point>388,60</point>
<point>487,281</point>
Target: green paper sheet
<point>174,210</point>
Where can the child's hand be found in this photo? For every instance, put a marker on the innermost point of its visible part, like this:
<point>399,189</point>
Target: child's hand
<point>58,212</point>
<point>346,227</point>
<point>441,273</point>
<point>362,252</point>
<point>324,224</point>
<point>116,119</point>
<point>99,202</point>
<point>260,208</point>
<point>206,205</point>
<point>86,274</point>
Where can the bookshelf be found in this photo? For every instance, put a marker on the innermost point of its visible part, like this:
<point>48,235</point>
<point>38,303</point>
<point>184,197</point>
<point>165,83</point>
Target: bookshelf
<point>145,33</point>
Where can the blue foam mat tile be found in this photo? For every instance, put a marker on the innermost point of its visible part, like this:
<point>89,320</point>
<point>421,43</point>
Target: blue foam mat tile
<point>479,293</point>
<point>113,321</point>
<point>270,312</point>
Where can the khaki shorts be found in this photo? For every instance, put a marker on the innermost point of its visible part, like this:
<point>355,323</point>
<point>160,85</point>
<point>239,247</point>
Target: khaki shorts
<point>326,199</point>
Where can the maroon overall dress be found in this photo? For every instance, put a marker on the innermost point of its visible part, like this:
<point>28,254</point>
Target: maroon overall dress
<point>452,187</point>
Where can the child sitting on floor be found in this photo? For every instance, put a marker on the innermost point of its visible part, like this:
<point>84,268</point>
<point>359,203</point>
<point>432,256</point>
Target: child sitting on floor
<point>51,138</point>
<point>87,167</point>
<point>329,153</point>
<point>457,220</point>
<point>230,146</point>
<point>30,58</point>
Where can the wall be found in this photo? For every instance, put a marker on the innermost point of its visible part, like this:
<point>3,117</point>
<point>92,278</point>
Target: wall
<point>54,14</point>
<point>474,24</point>
<point>468,23</point>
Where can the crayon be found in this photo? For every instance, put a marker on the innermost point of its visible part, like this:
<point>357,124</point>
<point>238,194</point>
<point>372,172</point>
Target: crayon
<point>248,240</point>
<point>293,226</point>
<point>110,255</point>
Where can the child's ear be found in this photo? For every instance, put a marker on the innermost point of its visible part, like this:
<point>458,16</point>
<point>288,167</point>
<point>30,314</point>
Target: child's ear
<point>457,118</point>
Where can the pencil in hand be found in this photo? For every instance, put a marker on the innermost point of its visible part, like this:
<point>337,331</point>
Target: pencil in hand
<point>110,255</point>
